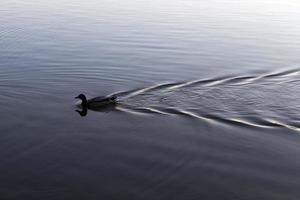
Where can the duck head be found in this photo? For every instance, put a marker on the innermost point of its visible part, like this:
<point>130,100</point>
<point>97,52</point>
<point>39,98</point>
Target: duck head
<point>83,99</point>
<point>113,98</point>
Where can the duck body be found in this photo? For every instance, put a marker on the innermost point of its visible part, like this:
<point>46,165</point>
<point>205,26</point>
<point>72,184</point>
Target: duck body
<point>96,102</point>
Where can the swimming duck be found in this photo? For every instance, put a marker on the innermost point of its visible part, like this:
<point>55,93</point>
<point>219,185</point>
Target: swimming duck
<point>97,101</point>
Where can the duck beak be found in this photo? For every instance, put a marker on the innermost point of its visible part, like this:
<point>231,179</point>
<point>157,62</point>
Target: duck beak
<point>77,97</point>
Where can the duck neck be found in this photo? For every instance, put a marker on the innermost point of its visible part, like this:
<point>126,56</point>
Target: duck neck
<point>84,103</point>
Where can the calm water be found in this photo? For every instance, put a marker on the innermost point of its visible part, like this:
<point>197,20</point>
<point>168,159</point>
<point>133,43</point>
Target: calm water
<point>208,93</point>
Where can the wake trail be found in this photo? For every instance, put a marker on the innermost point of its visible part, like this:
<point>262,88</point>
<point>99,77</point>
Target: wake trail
<point>234,103</point>
<point>210,118</point>
<point>209,82</point>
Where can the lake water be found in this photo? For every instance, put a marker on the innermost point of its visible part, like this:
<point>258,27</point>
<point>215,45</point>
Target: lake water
<point>208,99</point>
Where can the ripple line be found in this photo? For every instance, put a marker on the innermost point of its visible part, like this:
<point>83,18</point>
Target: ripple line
<point>128,110</point>
<point>288,126</point>
<point>237,80</point>
<point>152,110</point>
<point>151,88</point>
<point>249,123</point>
<point>282,73</point>
<point>265,123</point>
<point>196,82</point>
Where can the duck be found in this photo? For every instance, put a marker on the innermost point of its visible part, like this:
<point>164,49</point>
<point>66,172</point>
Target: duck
<point>97,102</point>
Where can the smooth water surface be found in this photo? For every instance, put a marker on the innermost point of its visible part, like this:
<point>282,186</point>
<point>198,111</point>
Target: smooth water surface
<point>208,99</point>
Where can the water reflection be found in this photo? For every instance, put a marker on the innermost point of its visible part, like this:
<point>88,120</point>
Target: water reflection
<point>83,110</point>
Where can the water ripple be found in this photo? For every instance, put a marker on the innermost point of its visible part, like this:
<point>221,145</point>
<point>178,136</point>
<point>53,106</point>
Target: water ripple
<point>252,109</point>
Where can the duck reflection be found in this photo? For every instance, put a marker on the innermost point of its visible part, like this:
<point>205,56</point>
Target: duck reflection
<point>83,110</point>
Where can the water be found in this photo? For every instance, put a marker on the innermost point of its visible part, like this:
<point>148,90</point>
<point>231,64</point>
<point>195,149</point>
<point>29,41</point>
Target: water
<point>208,99</point>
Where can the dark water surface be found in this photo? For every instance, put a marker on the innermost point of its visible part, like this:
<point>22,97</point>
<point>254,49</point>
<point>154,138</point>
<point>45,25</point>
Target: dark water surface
<point>208,93</point>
